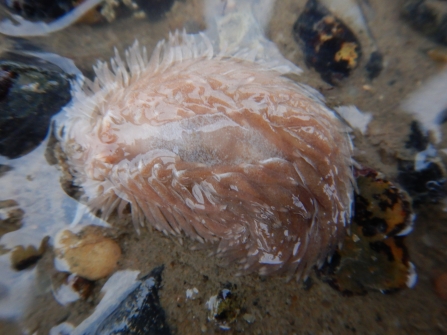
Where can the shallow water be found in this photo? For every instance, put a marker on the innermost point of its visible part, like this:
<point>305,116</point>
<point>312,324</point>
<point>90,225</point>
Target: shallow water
<point>278,307</point>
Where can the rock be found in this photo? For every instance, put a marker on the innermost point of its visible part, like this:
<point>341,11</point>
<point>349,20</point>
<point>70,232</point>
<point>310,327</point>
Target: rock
<point>88,254</point>
<point>31,92</point>
<point>128,307</point>
<point>328,43</point>
<point>374,255</point>
<point>141,311</point>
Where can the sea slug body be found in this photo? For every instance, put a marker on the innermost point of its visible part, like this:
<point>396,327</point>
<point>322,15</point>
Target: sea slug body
<point>221,149</point>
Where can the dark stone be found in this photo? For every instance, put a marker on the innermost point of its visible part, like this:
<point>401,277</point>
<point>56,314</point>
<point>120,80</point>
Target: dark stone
<point>374,65</point>
<point>308,283</point>
<point>426,185</point>
<point>140,313</point>
<point>31,92</point>
<point>417,139</point>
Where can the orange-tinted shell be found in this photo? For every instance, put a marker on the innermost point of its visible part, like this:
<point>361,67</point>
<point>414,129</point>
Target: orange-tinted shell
<point>217,148</point>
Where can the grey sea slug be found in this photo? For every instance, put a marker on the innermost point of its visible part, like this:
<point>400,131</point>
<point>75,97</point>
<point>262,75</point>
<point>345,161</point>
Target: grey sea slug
<point>218,148</point>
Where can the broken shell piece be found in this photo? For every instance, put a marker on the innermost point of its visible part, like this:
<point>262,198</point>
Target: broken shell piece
<point>62,329</point>
<point>32,90</point>
<point>22,258</point>
<point>354,117</point>
<point>72,288</point>
<point>224,308</point>
<point>89,254</point>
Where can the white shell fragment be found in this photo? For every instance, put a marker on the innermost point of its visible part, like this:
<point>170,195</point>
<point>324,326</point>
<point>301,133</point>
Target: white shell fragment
<point>354,117</point>
<point>192,293</point>
<point>428,104</point>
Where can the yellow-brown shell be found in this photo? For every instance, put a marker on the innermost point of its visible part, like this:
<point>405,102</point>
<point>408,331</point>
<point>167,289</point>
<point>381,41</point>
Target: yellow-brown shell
<point>217,148</point>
